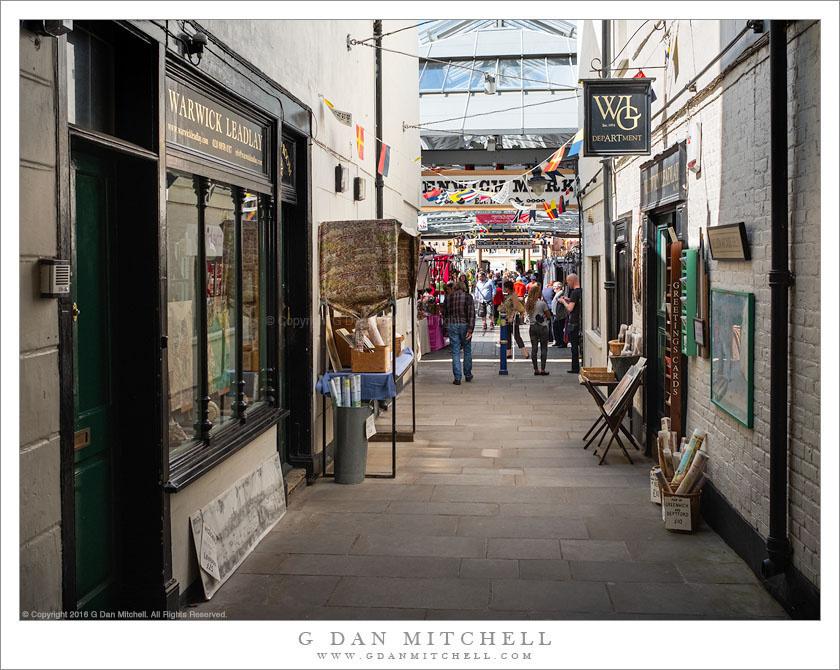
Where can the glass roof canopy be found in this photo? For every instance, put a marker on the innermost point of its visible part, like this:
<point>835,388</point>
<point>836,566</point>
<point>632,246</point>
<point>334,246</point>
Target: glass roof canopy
<point>445,28</point>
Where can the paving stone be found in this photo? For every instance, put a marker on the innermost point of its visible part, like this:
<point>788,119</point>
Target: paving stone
<point>543,595</point>
<point>689,599</point>
<point>369,566</point>
<point>608,495</point>
<point>306,543</point>
<point>632,528</point>
<point>519,548</point>
<point>594,550</point>
<point>716,572</point>
<point>591,481</point>
<point>486,568</point>
<point>302,590</point>
<point>656,550</point>
<point>416,545</point>
<point>555,509</point>
<point>467,480</point>
<point>479,615</point>
<point>491,471</point>
<point>624,571</point>
<point>341,492</point>
<point>522,527</point>
<point>262,563</point>
<point>385,524</point>
<point>544,568</point>
<point>440,593</point>
<point>445,508</point>
<point>364,506</point>
<point>496,494</point>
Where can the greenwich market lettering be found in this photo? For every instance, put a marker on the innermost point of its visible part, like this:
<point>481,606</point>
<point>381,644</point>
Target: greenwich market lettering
<point>194,121</point>
<point>517,186</point>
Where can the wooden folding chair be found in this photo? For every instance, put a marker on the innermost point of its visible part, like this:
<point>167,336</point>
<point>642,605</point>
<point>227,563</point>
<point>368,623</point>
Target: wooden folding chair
<point>613,417</point>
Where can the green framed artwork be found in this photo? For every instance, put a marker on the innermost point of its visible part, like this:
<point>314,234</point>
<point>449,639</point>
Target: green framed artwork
<point>731,332</point>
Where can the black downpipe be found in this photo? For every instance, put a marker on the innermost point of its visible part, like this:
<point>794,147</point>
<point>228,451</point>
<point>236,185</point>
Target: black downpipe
<point>778,546</point>
<point>609,280</point>
<point>380,181</point>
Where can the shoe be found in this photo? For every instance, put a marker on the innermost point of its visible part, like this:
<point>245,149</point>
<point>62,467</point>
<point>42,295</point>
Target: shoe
<point>536,373</point>
<point>469,379</point>
<point>457,382</point>
<point>544,372</point>
<point>573,372</point>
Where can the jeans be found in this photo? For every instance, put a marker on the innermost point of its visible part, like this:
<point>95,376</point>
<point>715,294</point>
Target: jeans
<point>539,337</point>
<point>574,340</point>
<point>457,340</point>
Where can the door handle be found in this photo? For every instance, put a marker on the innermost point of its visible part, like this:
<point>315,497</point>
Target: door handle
<point>76,312</point>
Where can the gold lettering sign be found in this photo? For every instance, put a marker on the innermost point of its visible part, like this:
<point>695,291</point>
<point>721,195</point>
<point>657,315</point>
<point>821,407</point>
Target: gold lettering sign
<point>624,112</point>
<point>199,123</point>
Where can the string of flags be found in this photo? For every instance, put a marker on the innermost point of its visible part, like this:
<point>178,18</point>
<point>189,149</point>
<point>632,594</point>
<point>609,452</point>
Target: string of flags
<point>468,193</point>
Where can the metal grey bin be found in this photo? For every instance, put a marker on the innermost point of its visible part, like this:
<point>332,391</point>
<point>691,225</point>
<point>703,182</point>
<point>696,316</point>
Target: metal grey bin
<point>351,443</point>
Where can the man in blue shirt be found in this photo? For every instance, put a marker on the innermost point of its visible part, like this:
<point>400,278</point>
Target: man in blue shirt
<point>483,295</point>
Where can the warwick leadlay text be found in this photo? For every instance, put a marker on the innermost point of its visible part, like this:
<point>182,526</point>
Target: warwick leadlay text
<point>200,123</point>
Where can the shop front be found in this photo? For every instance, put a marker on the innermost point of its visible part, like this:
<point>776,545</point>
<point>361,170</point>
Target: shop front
<point>664,229</point>
<point>175,352</point>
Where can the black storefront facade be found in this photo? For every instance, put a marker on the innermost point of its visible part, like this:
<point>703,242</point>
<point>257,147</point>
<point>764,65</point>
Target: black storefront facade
<point>664,212</point>
<point>183,204</point>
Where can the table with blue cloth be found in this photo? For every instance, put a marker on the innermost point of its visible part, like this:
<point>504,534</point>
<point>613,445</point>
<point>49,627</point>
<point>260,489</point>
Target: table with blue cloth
<point>375,385</point>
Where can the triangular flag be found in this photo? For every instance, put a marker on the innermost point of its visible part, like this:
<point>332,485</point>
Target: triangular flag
<point>641,75</point>
<point>384,160</point>
<point>554,161</point>
<point>360,141</point>
<point>676,58</point>
<point>577,142</point>
<point>345,118</point>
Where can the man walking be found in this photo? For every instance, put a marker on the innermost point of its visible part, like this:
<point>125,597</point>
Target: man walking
<point>484,297</point>
<point>572,304</point>
<point>459,319</point>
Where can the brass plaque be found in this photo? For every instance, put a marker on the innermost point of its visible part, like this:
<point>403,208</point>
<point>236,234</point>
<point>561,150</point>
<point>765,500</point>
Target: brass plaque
<point>81,438</point>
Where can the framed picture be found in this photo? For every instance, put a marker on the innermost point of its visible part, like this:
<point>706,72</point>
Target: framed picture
<point>731,338</point>
<point>699,332</point>
<point>728,242</point>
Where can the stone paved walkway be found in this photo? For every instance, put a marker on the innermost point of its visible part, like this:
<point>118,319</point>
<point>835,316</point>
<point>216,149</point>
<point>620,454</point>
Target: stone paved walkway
<point>496,513</point>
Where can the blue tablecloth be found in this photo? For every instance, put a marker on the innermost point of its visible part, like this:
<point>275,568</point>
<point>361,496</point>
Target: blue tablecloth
<point>375,385</point>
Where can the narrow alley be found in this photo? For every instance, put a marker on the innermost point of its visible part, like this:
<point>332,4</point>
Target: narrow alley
<point>496,512</point>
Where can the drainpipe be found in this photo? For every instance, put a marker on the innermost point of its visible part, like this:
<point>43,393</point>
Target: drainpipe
<point>780,280</point>
<point>380,181</point>
<point>609,281</point>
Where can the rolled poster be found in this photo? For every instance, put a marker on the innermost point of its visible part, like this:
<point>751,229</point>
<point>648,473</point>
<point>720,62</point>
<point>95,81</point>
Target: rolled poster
<point>662,481</point>
<point>694,473</point>
<point>345,392</point>
<point>688,455</point>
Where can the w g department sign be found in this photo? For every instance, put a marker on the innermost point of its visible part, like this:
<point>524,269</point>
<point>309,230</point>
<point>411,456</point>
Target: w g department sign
<point>616,117</point>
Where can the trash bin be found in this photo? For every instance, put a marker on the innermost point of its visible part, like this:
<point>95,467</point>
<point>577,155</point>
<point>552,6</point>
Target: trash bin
<point>350,443</point>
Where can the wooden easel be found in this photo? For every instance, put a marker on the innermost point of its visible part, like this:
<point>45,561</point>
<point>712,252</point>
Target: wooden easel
<point>613,410</point>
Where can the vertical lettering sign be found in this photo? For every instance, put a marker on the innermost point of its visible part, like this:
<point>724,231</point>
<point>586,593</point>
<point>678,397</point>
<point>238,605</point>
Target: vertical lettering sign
<point>203,125</point>
<point>675,334</point>
<point>664,179</point>
<point>616,117</point>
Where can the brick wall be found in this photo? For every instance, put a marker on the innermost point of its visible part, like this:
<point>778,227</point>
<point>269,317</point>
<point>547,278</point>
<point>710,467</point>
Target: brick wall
<point>734,185</point>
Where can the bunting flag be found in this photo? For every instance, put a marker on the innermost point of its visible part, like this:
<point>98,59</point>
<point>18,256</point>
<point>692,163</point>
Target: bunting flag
<point>561,205</point>
<point>554,161</point>
<point>641,75</point>
<point>577,142</point>
<point>550,209</point>
<point>431,195</point>
<point>360,141</point>
<point>345,118</point>
<point>532,216</point>
<point>384,160</point>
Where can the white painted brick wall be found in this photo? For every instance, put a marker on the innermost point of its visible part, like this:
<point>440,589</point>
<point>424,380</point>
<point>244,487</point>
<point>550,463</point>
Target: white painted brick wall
<point>734,185</point>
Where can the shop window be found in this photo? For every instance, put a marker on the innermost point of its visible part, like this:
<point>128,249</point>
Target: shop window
<point>217,291</point>
<point>595,295</point>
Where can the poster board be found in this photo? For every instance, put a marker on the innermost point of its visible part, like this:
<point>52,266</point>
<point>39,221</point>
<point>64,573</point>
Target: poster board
<point>619,394</point>
<point>226,530</point>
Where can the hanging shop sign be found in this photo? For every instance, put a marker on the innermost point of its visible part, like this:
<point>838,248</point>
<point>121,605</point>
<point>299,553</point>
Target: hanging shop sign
<point>616,117</point>
<point>203,125</point>
<point>664,178</point>
<point>446,188</point>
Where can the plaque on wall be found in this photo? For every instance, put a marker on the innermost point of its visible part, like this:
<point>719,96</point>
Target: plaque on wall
<point>729,242</point>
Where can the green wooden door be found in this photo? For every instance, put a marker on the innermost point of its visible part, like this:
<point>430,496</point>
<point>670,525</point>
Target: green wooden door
<point>93,397</point>
<point>662,239</point>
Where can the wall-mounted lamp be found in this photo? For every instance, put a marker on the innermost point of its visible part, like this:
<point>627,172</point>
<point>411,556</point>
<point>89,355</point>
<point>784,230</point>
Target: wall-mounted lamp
<point>489,84</point>
<point>341,176</point>
<point>193,45</point>
<point>538,182</point>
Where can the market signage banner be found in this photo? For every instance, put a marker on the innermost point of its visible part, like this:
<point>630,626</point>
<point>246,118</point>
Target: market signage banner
<point>505,244</point>
<point>664,179</point>
<point>519,190</point>
<point>616,117</point>
<point>206,126</point>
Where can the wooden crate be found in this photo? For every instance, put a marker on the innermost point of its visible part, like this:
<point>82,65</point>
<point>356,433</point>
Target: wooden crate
<point>598,374</point>
<point>378,360</point>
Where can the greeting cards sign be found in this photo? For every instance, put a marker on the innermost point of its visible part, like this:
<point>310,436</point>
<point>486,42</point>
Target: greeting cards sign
<point>616,117</point>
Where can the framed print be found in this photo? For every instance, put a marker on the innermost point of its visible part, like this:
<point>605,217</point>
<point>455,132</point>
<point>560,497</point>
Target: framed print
<point>699,332</point>
<point>731,340</point>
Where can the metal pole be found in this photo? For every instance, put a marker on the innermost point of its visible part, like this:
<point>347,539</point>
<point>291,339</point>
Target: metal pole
<point>380,181</point>
<point>780,280</point>
<point>609,281</point>
<point>502,342</point>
